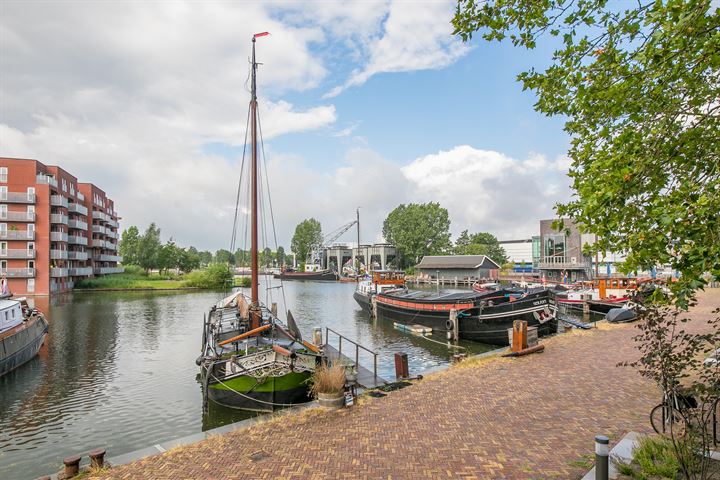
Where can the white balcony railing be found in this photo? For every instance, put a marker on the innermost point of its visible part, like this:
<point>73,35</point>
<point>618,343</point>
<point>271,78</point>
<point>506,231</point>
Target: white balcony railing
<point>98,215</point>
<point>17,197</point>
<point>17,253</point>
<point>58,237</point>
<point>58,201</point>
<point>78,208</point>
<point>46,179</point>
<point>77,240</point>
<point>18,272</point>
<point>58,254</point>
<point>108,270</point>
<point>82,256</point>
<point>98,229</point>
<point>17,234</point>
<point>564,263</point>
<point>18,216</point>
<point>59,218</point>
<point>58,272</point>
<point>81,197</point>
<point>77,224</point>
<point>80,272</point>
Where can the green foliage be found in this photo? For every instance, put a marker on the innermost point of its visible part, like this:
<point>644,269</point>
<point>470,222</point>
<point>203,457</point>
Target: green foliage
<point>136,270</point>
<point>188,260</point>
<point>149,247</point>
<point>418,230</point>
<point>134,278</point>
<point>216,275</point>
<point>224,256</point>
<point>656,457</point>
<point>638,85</point>
<point>280,256</point>
<point>129,244</point>
<point>244,282</point>
<point>308,235</point>
<point>482,243</point>
<point>205,258</point>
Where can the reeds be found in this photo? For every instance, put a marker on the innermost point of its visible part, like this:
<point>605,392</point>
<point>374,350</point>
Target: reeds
<point>328,380</point>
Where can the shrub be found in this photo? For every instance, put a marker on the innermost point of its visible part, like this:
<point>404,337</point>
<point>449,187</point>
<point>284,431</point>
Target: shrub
<point>328,380</point>
<point>134,270</point>
<point>656,457</point>
<point>215,275</point>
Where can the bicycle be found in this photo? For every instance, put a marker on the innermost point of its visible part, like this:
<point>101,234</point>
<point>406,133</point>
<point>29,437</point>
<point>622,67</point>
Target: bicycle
<point>669,416</point>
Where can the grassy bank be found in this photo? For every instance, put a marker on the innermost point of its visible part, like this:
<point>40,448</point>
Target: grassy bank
<point>135,278</point>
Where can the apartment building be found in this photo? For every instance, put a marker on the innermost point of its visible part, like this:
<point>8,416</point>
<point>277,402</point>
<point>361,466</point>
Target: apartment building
<point>54,230</point>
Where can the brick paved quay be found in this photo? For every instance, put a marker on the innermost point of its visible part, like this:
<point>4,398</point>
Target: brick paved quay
<point>527,418</point>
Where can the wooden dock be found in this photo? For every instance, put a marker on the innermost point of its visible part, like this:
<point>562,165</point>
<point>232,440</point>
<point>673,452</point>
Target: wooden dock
<point>365,378</point>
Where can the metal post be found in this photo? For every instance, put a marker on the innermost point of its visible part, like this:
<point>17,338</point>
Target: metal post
<point>357,356</point>
<point>602,453</point>
<point>339,346</point>
<point>375,365</point>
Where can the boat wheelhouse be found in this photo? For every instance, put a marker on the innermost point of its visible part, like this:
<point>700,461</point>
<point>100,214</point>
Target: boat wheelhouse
<point>22,333</point>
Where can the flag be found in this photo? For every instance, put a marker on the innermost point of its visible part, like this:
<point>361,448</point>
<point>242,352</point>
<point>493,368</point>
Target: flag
<point>261,34</point>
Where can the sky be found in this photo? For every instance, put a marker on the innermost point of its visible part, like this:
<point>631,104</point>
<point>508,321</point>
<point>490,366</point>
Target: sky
<point>364,104</point>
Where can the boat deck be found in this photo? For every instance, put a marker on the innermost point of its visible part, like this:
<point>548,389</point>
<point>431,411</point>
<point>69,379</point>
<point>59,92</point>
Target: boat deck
<point>365,377</point>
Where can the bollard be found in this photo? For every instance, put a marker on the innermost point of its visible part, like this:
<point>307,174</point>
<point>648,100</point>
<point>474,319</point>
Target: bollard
<point>401,366</point>
<point>602,453</point>
<point>519,338</point>
<point>454,324</point>
<point>97,458</point>
<point>317,336</point>
<point>72,465</point>
<point>459,357</point>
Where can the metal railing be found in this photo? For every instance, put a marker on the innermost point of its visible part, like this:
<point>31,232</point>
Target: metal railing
<point>58,272</point>
<point>80,272</point>
<point>59,218</point>
<point>81,197</point>
<point>98,229</point>
<point>18,216</point>
<point>17,234</point>
<point>98,215</point>
<point>106,270</point>
<point>17,197</point>
<point>46,179</point>
<point>17,253</point>
<point>562,262</point>
<point>77,255</point>
<point>77,240</point>
<point>77,208</point>
<point>58,254</point>
<point>58,237</point>
<point>341,337</point>
<point>18,272</point>
<point>109,258</point>
<point>58,201</point>
<point>77,224</point>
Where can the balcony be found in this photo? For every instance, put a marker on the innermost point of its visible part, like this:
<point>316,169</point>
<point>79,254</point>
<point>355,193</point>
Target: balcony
<point>58,254</point>
<point>82,256</point>
<point>113,223</point>
<point>46,179</point>
<point>77,224</point>
<point>107,270</point>
<point>59,218</point>
<point>18,216</point>
<point>98,243</point>
<point>98,215</point>
<point>17,234</point>
<point>18,272</point>
<point>58,201</point>
<point>80,272</point>
<point>99,229</point>
<point>17,197</point>
<point>77,240</point>
<point>58,272</point>
<point>109,258</point>
<point>111,246</point>
<point>81,197</point>
<point>58,237</point>
<point>564,263</point>
<point>78,208</point>
<point>17,253</point>
<point>111,234</point>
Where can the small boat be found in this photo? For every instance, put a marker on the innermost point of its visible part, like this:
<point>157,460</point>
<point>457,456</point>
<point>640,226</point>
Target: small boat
<point>481,316</point>
<point>602,294</point>
<point>22,333</point>
<point>381,281</point>
<point>621,315</point>
<point>312,272</point>
<point>249,359</point>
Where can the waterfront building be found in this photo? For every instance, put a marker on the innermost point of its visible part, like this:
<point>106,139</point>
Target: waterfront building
<point>460,267</point>
<point>562,258</point>
<point>377,256</point>
<point>524,254</point>
<point>54,230</point>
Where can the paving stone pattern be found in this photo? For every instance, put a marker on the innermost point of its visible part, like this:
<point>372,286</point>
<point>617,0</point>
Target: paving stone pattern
<point>533,417</point>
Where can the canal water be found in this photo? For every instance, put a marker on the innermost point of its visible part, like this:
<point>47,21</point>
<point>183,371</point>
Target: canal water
<point>118,370</point>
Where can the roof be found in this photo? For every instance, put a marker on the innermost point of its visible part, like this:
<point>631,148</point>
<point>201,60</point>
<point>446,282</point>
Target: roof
<point>456,261</point>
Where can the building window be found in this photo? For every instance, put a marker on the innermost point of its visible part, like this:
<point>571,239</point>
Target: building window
<point>3,174</point>
<point>64,185</point>
<point>555,246</point>
<point>3,192</point>
<point>31,264</point>
<point>3,265</point>
<point>3,211</point>
<point>3,248</point>
<point>31,285</point>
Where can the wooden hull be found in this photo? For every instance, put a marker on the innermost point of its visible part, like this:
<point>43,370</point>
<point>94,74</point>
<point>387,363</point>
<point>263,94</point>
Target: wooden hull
<point>324,276</point>
<point>363,300</point>
<point>485,324</point>
<point>22,344</point>
<point>245,392</point>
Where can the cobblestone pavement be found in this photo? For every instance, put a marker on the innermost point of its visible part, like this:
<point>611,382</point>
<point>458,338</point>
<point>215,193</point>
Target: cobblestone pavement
<point>526,418</point>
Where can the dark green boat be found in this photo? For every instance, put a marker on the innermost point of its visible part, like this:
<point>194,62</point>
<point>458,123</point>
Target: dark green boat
<point>249,359</point>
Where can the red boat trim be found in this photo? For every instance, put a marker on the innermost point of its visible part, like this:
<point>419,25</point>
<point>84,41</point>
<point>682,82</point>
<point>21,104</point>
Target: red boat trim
<point>443,307</point>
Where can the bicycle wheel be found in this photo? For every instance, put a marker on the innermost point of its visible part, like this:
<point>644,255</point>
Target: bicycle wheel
<point>667,420</point>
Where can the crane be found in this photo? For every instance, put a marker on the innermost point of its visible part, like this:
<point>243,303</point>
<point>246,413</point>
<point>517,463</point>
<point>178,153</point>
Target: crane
<point>316,253</point>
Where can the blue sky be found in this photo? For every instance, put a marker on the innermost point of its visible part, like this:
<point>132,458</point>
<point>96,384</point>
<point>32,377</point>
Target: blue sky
<point>366,104</point>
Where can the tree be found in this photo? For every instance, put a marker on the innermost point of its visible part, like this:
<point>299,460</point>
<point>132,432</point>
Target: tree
<point>638,85</point>
<point>188,260</point>
<point>129,241</point>
<point>168,256</point>
<point>267,257</point>
<point>148,248</point>
<point>417,230</point>
<point>280,256</point>
<point>308,235</point>
<point>205,257</point>
<point>482,243</point>
<point>224,256</point>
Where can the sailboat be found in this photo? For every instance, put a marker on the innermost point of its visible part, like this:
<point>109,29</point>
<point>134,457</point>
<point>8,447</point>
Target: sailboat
<point>250,360</point>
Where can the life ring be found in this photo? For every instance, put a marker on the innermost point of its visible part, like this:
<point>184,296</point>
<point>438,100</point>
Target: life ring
<point>449,325</point>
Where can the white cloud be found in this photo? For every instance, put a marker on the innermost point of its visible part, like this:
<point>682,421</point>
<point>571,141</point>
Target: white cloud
<point>414,37</point>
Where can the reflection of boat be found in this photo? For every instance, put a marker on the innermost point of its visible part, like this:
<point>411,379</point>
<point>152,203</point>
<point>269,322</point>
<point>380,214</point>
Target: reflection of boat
<point>381,281</point>
<point>312,272</point>
<point>249,360</point>
<point>481,316</point>
<point>22,333</point>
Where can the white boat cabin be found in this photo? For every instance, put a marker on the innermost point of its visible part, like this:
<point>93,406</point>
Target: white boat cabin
<point>10,314</point>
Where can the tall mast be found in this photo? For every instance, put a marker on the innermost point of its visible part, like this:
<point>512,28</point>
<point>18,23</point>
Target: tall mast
<point>255,298</point>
